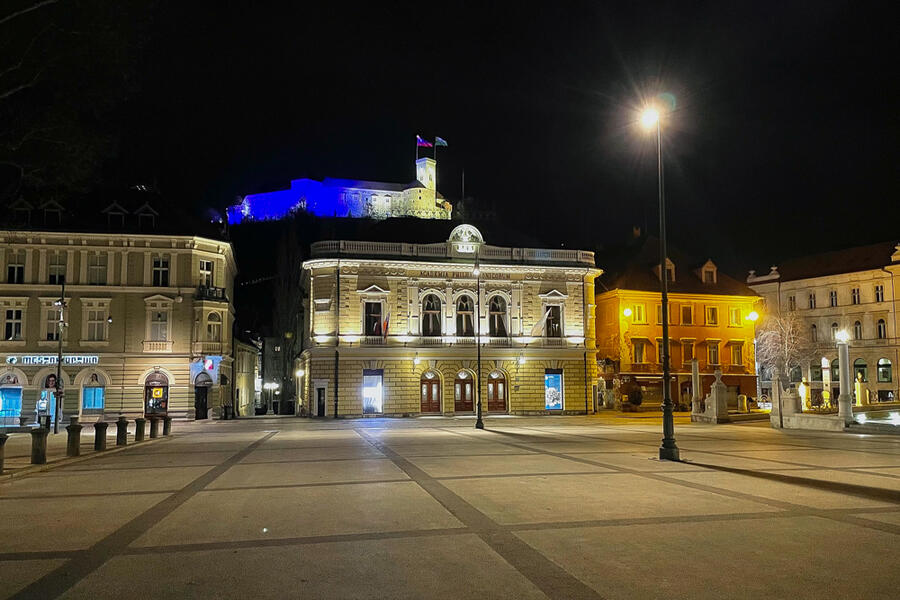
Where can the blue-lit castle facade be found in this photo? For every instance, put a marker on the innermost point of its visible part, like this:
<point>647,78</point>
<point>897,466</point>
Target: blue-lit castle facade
<point>349,198</point>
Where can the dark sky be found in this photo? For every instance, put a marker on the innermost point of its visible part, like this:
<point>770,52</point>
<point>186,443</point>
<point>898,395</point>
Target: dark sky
<point>783,139</point>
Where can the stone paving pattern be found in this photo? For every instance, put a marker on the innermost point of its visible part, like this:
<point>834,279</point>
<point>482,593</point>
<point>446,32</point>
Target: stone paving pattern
<point>558,507</point>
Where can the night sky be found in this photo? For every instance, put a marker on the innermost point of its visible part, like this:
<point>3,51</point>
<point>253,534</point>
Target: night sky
<point>783,139</point>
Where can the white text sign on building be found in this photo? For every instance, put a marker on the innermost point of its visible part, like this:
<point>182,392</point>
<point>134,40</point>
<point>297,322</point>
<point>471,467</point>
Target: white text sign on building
<point>51,359</point>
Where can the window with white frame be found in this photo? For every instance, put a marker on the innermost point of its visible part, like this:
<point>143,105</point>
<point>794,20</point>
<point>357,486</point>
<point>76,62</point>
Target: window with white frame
<point>737,354</point>
<point>57,268</point>
<point>96,325</point>
<point>206,273</point>
<point>13,325</point>
<point>854,296</point>
<point>159,325</point>
<point>879,293</point>
<point>431,315</point>
<point>497,316</point>
<point>214,327</point>
<point>638,314</point>
<point>832,296</point>
<point>712,315</point>
<point>51,322</point>
<point>659,314</point>
<point>734,316</point>
<point>637,351</point>
<point>712,353</point>
<point>161,271</point>
<point>15,268</point>
<point>97,268</point>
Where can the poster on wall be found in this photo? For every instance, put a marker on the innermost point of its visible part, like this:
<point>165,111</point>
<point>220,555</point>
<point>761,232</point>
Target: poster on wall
<point>208,365</point>
<point>553,397</point>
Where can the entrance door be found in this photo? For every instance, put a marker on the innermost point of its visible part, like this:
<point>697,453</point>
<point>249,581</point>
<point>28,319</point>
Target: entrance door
<point>320,402</point>
<point>431,395</point>
<point>496,392</point>
<point>200,408</point>
<point>463,393</point>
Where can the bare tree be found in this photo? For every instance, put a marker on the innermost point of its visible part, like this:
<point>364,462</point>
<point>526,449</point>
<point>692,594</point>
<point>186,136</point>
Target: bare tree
<point>783,342</point>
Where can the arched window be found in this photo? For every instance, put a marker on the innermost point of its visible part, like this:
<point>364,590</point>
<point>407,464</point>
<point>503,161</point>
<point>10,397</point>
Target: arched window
<point>796,374</point>
<point>465,316</point>
<point>814,333</point>
<point>882,329</point>
<point>857,331</point>
<point>884,370</point>
<point>156,394</point>
<point>214,328</point>
<point>834,330</point>
<point>860,368</point>
<point>835,370</point>
<point>431,315</point>
<point>497,309</point>
<point>93,395</point>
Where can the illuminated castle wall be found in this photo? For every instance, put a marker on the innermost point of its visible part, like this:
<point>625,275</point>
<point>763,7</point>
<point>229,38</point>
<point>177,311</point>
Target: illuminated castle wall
<point>349,198</point>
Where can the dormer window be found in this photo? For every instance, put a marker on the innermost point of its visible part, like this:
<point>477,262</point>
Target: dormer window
<point>146,222</point>
<point>22,215</point>
<point>670,271</point>
<point>709,273</point>
<point>52,217</point>
<point>115,220</point>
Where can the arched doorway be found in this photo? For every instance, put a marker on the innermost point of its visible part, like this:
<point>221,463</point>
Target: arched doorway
<point>496,392</point>
<point>463,392</point>
<point>202,383</point>
<point>10,398</point>
<point>156,394</point>
<point>431,392</point>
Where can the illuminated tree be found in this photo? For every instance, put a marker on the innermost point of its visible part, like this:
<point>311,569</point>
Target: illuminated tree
<point>783,342</point>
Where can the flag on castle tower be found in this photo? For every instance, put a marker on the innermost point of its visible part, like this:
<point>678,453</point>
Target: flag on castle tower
<point>422,143</point>
<point>439,142</point>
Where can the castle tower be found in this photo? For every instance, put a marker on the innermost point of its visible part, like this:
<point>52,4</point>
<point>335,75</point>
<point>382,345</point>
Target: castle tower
<point>426,172</point>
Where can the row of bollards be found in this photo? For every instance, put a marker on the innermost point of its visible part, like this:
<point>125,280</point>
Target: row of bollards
<point>73,442</point>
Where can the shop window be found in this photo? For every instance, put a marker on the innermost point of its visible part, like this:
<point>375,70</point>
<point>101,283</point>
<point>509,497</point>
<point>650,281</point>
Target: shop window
<point>92,399</point>
<point>156,394</point>
<point>10,402</point>
<point>884,370</point>
<point>373,391</point>
<point>553,389</point>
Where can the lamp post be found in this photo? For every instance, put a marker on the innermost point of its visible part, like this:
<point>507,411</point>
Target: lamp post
<point>843,347</point>
<point>668,450</point>
<point>479,423</point>
<point>61,324</point>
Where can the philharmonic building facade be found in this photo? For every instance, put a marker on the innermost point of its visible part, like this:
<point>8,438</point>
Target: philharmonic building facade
<point>147,323</point>
<point>412,329</point>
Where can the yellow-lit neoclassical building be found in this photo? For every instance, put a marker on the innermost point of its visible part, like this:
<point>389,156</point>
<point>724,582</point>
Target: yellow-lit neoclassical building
<point>416,329</point>
<point>708,320</point>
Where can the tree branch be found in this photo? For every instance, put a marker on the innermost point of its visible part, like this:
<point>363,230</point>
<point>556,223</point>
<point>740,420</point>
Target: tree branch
<point>26,10</point>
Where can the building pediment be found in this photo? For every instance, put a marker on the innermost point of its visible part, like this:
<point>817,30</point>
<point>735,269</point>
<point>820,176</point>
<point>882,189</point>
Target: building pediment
<point>157,298</point>
<point>373,290</point>
<point>553,294</point>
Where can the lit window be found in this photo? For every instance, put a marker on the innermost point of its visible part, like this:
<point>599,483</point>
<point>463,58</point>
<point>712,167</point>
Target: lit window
<point>734,316</point>
<point>97,269</point>
<point>712,353</point>
<point>637,351</point>
<point>214,328</point>
<point>206,273</point>
<point>373,318</point>
<point>13,325</point>
<point>737,354</point>
<point>57,268</point>
<point>553,389</point>
<point>879,293</point>
<point>884,370</point>
<point>92,398</point>
<point>160,271</point>
<point>637,314</point>
<point>554,321</point>
<point>431,315</point>
<point>159,326</point>
<point>687,351</point>
<point>373,391</point>
<point>712,315</point>
<point>465,316</point>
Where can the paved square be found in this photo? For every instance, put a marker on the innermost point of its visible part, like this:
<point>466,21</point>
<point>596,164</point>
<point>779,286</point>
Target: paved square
<point>540,507</point>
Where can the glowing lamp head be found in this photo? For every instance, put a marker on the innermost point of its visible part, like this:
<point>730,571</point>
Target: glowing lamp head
<point>299,372</point>
<point>476,271</point>
<point>649,118</point>
<point>521,359</point>
<point>417,360</point>
<point>842,336</point>
<point>753,316</point>
<point>627,312</point>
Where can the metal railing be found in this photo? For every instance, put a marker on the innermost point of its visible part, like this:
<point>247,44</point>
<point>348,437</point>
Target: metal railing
<point>443,250</point>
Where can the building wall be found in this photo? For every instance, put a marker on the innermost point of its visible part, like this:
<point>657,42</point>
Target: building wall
<point>246,373</point>
<point>124,353</point>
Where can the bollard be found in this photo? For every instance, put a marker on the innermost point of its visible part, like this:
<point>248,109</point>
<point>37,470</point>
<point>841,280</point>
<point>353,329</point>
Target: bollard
<point>100,428</point>
<point>39,446</point>
<point>122,431</point>
<point>73,442</point>
<point>154,427</point>
<point>3,438</point>
<point>139,429</point>
<point>167,425</point>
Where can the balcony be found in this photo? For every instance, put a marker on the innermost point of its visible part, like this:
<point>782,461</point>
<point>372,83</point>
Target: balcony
<point>158,346</point>
<point>553,342</point>
<point>372,340</point>
<point>204,348</point>
<point>214,294</point>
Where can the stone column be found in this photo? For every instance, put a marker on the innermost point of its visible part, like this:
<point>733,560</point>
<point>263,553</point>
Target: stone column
<point>695,386</point>
<point>844,403</point>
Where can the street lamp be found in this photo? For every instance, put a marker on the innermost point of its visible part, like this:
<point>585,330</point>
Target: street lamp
<point>479,423</point>
<point>668,450</point>
<point>845,411</point>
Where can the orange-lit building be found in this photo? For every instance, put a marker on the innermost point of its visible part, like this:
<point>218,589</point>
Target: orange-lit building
<point>709,319</point>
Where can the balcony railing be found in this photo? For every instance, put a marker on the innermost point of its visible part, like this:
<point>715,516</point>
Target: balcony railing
<point>443,250</point>
<point>204,347</point>
<point>448,340</point>
<point>158,346</point>
<point>372,340</point>
<point>215,294</point>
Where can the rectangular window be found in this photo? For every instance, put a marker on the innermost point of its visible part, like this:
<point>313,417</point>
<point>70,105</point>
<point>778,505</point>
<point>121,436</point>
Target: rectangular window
<point>854,296</point>
<point>57,268</point>
<point>92,398</point>
<point>97,269</point>
<point>160,271</point>
<point>687,314</point>
<point>15,269</point>
<point>659,314</point>
<point>712,315</point>
<point>687,351</point>
<point>214,328</point>
<point>792,303</point>
<point>373,391</point>
<point>712,353</point>
<point>159,326</point>
<point>833,297</point>
<point>51,324</point>
<point>709,276</point>
<point>96,325</point>
<point>13,326</point>
<point>553,389</point>
<point>879,293</point>
<point>637,351</point>
<point>373,318</point>
<point>737,354</point>
<point>812,300</point>
<point>10,402</point>
<point>659,351</point>
<point>734,316</point>
<point>554,321</point>
<point>206,273</point>
<point>637,314</point>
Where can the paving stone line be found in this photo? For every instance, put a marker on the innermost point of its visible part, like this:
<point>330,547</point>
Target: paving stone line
<point>546,575</point>
<point>58,581</point>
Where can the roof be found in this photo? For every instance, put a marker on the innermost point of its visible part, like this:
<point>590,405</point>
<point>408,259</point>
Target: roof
<point>632,267</point>
<point>847,260</point>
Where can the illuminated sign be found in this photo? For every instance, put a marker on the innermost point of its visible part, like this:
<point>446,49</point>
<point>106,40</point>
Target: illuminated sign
<point>51,359</point>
